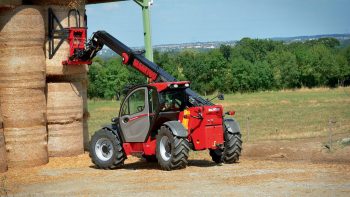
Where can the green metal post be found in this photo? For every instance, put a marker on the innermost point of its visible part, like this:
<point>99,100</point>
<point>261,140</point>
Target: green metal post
<point>145,5</point>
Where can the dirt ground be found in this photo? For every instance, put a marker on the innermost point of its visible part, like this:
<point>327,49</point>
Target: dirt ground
<point>276,168</point>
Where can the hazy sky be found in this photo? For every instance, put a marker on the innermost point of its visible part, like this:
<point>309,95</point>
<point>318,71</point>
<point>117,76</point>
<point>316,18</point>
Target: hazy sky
<point>181,21</point>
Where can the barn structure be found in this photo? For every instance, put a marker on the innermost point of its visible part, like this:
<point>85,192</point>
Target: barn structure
<point>43,102</point>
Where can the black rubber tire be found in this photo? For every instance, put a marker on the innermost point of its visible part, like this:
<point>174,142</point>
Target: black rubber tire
<point>150,158</point>
<point>233,142</point>
<point>216,155</point>
<point>118,156</point>
<point>179,150</point>
<point>232,145</point>
<point>233,148</point>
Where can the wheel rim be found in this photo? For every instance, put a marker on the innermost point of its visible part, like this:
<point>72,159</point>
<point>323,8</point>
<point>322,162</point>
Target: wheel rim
<point>104,149</point>
<point>165,148</point>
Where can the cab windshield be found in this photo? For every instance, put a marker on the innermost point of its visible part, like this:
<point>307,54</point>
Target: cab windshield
<point>172,100</point>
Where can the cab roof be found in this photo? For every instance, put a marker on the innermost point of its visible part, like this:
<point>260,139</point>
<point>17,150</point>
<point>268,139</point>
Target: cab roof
<point>161,86</point>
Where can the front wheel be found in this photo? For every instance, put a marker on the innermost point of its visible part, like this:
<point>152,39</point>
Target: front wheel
<point>172,151</point>
<point>106,150</point>
<point>233,142</point>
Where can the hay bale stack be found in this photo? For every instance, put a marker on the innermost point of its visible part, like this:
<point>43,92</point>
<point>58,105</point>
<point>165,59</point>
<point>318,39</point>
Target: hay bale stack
<point>65,118</point>
<point>3,162</point>
<point>22,59</point>
<point>22,82</point>
<point>65,114</point>
<point>54,67</point>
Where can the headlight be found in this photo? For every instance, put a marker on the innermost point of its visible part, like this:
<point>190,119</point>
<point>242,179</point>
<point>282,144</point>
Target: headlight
<point>215,109</point>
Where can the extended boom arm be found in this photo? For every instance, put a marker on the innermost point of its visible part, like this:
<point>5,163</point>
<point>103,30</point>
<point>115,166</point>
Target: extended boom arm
<point>132,58</point>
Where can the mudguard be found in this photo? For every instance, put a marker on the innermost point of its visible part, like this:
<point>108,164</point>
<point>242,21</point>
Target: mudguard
<point>232,126</point>
<point>177,128</point>
<point>111,127</point>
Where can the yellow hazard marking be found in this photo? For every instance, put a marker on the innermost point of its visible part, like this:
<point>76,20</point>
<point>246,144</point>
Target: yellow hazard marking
<point>185,120</point>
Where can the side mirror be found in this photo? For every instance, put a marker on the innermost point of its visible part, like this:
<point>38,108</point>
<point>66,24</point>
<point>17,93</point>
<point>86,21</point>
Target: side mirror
<point>117,95</point>
<point>221,97</point>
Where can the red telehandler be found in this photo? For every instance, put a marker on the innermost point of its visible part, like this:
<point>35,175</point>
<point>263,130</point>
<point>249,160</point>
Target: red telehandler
<point>162,121</point>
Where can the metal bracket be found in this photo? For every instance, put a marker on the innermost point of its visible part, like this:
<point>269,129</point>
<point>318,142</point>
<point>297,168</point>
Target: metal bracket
<point>62,33</point>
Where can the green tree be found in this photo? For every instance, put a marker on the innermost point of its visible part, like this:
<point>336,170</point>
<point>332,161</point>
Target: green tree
<point>285,69</point>
<point>225,51</point>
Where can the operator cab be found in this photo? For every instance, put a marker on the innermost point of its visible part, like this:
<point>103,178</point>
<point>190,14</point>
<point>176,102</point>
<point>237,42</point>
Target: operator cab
<point>145,108</point>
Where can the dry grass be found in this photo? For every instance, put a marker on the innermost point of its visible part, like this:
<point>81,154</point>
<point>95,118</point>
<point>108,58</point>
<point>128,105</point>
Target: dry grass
<point>269,115</point>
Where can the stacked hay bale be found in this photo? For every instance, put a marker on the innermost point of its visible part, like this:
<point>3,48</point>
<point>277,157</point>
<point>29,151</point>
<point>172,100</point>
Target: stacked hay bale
<point>65,119</point>
<point>23,75</point>
<point>64,3</point>
<point>22,82</point>
<point>3,162</point>
<point>65,134</point>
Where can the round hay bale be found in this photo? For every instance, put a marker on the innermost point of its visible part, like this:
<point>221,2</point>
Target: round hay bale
<point>65,3</point>
<point>22,58</point>
<point>22,108</point>
<point>65,139</point>
<point>3,162</point>
<point>54,66</point>
<point>64,102</point>
<point>26,147</point>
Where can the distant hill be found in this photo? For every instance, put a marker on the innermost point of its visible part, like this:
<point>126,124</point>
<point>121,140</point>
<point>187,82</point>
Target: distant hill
<point>344,39</point>
<point>340,37</point>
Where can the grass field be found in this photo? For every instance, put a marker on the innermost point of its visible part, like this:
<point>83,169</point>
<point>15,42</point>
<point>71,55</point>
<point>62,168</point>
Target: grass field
<point>269,115</point>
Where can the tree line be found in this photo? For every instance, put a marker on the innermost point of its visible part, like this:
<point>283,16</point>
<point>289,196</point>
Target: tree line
<point>251,65</point>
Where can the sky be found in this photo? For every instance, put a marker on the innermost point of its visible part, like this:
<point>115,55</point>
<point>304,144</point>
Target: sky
<point>183,21</point>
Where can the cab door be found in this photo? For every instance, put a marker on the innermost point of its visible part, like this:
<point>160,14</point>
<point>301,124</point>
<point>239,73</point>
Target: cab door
<point>134,116</point>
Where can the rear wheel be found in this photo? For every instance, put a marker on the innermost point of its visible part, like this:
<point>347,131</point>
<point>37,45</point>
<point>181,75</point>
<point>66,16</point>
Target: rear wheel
<point>172,151</point>
<point>216,155</point>
<point>232,145</point>
<point>106,150</point>
<point>150,158</point>
<point>233,148</point>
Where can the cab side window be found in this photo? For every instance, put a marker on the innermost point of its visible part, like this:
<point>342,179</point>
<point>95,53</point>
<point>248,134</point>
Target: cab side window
<point>135,103</point>
<point>153,100</point>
